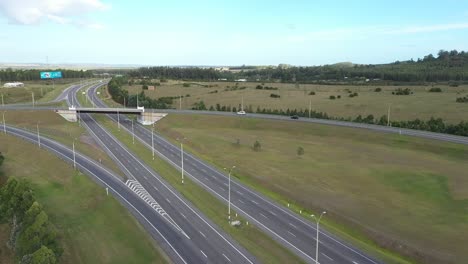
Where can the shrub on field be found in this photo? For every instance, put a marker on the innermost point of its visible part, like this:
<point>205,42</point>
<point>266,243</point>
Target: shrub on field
<point>435,90</point>
<point>186,85</point>
<point>377,90</point>
<point>275,95</point>
<point>300,151</point>
<point>332,97</point>
<point>339,96</point>
<point>401,91</point>
<point>462,99</point>
<point>257,146</point>
<point>312,93</point>
<point>144,87</point>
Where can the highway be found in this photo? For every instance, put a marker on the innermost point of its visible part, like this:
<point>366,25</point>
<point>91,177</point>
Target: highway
<point>279,222</point>
<point>176,246</point>
<point>213,245</point>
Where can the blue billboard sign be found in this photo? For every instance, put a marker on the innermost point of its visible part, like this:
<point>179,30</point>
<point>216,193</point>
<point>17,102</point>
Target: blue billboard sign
<point>51,75</point>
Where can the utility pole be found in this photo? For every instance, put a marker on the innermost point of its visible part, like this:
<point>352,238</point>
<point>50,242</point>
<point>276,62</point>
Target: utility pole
<point>317,238</point>
<point>4,127</point>
<point>32,93</point>
<point>38,137</point>
<point>310,107</point>
<point>182,157</point>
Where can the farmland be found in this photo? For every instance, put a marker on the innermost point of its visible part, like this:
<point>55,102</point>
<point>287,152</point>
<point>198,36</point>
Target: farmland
<point>421,104</point>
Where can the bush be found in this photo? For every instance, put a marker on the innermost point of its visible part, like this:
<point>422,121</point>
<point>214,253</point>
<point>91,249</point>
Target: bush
<point>435,90</point>
<point>300,151</point>
<point>259,87</point>
<point>257,146</point>
<point>462,99</point>
<point>377,90</point>
<point>186,85</point>
<point>144,87</point>
<point>339,96</point>
<point>275,95</point>
<point>401,91</point>
<point>312,93</point>
<point>332,97</point>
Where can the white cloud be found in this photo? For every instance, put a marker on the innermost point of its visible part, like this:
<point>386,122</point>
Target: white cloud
<point>31,12</point>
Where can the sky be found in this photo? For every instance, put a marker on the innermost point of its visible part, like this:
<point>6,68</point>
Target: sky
<point>209,32</point>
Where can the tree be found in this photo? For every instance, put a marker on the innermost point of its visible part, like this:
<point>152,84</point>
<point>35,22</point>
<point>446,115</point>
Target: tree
<point>43,256</point>
<point>2,158</point>
<point>300,151</point>
<point>257,146</point>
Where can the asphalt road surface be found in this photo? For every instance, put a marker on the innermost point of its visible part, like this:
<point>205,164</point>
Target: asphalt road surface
<point>279,222</point>
<point>214,246</point>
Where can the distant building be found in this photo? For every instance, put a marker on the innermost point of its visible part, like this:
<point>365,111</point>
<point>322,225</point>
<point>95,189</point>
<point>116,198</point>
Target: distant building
<point>222,79</point>
<point>222,69</point>
<point>241,80</point>
<point>150,88</point>
<point>13,85</point>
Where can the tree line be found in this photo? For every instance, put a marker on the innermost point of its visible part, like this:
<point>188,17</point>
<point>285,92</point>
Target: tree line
<point>31,75</point>
<point>32,236</point>
<point>445,66</point>
<point>432,125</point>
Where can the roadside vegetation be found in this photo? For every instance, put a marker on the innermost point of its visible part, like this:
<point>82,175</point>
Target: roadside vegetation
<point>90,226</point>
<point>386,190</point>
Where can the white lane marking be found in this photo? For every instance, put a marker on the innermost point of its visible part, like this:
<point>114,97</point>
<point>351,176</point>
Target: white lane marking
<point>156,188</point>
<point>203,253</point>
<point>272,213</point>
<point>206,178</point>
<point>239,193</point>
<point>222,189</point>
<point>263,215</point>
<point>254,202</point>
<point>204,170</point>
<point>329,257</point>
<point>168,200</point>
<point>292,225</point>
<point>226,257</point>
<point>183,215</point>
<point>355,262</point>
<point>241,201</point>
<point>225,184</point>
<point>145,177</point>
<point>292,234</point>
<point>202,234</point>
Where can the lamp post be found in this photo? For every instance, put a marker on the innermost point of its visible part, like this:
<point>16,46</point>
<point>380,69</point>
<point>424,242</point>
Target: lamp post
<point>133,134</point>
<point>38,137</point>
<point>4,126</point>
<point>229,193</point>
<point>74,160</point>
<point>317,238</point>
<point>182,156</point>
<point>152,140</point>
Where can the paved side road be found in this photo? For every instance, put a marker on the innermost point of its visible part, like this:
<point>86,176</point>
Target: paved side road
<point>277,221</point>
<point>213,244</point>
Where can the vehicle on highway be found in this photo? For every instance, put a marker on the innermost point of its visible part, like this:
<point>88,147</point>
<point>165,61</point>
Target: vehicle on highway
<point>242,112</point>
<point>294,117</point>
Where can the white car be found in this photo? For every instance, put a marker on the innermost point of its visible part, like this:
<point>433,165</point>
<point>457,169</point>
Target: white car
<point>241,112</point>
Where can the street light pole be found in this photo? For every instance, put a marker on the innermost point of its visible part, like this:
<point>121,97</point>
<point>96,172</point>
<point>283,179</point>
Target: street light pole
<point>4,127</point>
<point>118,119</point>
<point>32,94</point>
<point>133,134</point>
<point>317,239</point>
<point>229,193</point>
<point>74,160</point>
<point>152,141</point>
<point>38,137</point>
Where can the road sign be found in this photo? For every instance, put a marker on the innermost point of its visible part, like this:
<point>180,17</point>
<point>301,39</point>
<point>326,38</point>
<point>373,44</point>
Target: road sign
<point>51,75</point>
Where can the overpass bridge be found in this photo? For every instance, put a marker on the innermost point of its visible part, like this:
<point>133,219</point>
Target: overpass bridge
<point>144,118</point>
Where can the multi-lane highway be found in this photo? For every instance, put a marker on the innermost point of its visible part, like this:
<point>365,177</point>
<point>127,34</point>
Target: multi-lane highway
<point>212,244</point>
<point>290,230</point>
<point>175,244</point>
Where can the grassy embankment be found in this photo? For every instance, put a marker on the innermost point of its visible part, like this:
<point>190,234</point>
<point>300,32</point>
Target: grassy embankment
<point>403,193</point>
<point>92,227</point>
<point>43,91</point>
<point>255,241</point>
<point>422,104</point>
<point>56,127</point>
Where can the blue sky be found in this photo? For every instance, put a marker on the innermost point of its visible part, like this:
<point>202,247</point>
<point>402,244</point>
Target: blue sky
<point>228,32</point>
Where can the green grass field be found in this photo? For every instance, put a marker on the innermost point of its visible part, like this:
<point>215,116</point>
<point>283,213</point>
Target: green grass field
<point>421,104</point>
<point>404,193</point>
<point>56,127</point>
<point>92,227</point>
<point>43,91</point>
<point>264,248</point>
